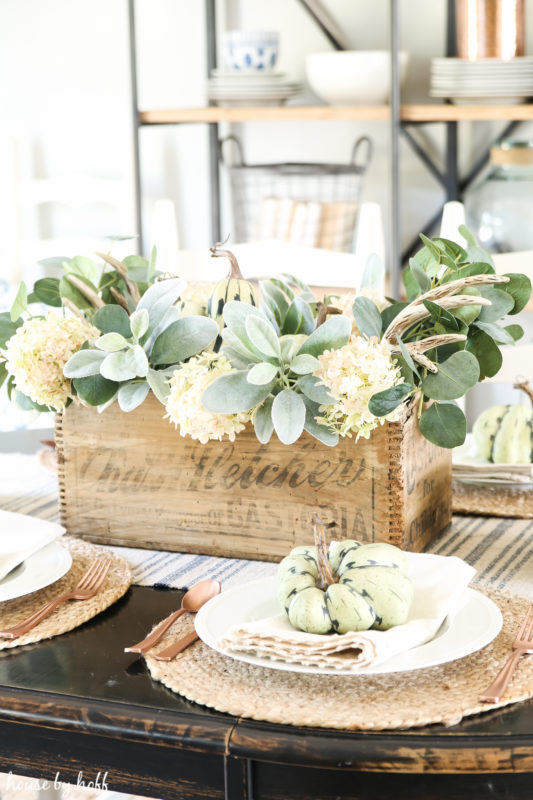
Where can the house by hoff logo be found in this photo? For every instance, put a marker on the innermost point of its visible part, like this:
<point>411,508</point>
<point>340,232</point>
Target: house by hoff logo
<point>22,785</point>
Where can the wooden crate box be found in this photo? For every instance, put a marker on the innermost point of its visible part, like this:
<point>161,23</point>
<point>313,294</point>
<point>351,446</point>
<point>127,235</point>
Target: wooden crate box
<point>131,479</point>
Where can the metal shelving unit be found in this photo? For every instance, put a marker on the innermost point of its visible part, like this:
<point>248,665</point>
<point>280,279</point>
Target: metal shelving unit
<point>401,118</point>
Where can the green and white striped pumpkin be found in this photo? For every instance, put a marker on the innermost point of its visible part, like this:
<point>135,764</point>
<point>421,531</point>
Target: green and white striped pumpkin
<point>503,434</point>
<point>368,587</point>
<point>233,287</point>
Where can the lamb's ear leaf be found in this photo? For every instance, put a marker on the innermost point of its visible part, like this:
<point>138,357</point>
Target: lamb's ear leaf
<point>332,335</point>
<point>232,393</point>
<point>288,415</point>
<point>183,338</point>
<point>263,423</point>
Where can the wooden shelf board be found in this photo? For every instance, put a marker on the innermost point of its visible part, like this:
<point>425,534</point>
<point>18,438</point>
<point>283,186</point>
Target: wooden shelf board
<point>420,112</point>
<point>262,114</point>
<point>446,112</point>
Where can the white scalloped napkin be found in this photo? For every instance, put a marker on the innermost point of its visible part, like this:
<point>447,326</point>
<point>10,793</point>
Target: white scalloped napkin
<point>21,536</point>
<point>439,582</point>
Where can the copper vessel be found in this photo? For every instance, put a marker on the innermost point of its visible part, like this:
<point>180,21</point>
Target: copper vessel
<point>489,29</point>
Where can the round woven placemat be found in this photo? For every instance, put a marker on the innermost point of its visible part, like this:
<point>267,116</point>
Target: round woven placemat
<point>443,694</point>
<point>71,614</point>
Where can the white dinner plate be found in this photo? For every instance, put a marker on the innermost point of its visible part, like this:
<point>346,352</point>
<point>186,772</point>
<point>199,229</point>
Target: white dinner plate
<point>474,623</point>
<point>39,570</point>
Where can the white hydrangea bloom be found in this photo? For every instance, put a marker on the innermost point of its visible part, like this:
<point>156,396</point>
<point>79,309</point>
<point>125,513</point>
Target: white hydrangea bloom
<point>184,404</point>
<point>36,354</point>
<point>352,374</point>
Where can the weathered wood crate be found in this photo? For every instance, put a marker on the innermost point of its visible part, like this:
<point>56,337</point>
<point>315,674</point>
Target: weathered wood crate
<point>131,479</point>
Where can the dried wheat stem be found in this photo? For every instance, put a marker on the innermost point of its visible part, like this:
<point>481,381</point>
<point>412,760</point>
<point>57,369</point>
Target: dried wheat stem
<point>123,272</point>
<point>412,313</point>
<point>73,308</point>
<point>446,295</point>
<point>119,297</point>
<point>432,341</point>
<point>85,290</point>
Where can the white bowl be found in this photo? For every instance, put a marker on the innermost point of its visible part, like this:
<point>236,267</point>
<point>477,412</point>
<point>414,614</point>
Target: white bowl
<point>353,77</point>
<point>250,51</point>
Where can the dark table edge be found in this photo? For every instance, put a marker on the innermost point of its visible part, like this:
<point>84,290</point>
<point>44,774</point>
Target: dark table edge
<point>443,751</point>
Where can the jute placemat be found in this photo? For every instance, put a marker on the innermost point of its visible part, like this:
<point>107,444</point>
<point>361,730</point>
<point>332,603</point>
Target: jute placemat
<point>443,694</point>
<point>73,613</point>
<point>492,501</point>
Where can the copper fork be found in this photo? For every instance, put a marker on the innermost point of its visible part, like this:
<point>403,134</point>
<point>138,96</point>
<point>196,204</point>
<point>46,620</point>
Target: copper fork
<point>86,588</point>
<point>522,645</point>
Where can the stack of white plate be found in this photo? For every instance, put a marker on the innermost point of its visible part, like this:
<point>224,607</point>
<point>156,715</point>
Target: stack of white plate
<point>489,80</point>
<point>259,88</point>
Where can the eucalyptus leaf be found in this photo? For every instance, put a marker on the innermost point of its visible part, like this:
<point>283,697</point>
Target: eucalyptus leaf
<point>304,364</point>
<point>500,335</point>
<point>263,337</point>
<point>54,262</point>
<point>47,291</point>
<point>288,416</point>
<point>113,319</point>
<point>20,303</point>
<point>467,234</point>
<point>262,373</point>
<point>453,249</point>
<point>152,265</point>
<point>8,328</point>
<point>70,292</point>
<point>25,403</point>
<point>111,342</point>
<point>408,358</point>
<point>383,403</point>
<point>454,377</point>
<point>501,304</point>
<point>182,339</point>
<point>333,334</point>
<point>95,390</point>
<point>389,313</point>
<point>84,267</point>
<point>432,247</point>
<point>487,352</point>
<point>374,273</point>
<point>423,280</point>
<point>3,372</point>
<point>314,390</point>
<point>367,317</point>
<point>444,424</point>
<point>516,331</point>
<point>84,363</point>
<point>412,289</point>
<point>131,395</point>
<point>232,393</point>
<point>263,424</point>
<point>441,315</point>
<point>519,287</point>
<point>467,314</point>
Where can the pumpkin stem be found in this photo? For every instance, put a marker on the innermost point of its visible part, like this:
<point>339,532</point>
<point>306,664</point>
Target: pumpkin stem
<point>325,574</point>
<point>525,387</point>
<point>234,271</point>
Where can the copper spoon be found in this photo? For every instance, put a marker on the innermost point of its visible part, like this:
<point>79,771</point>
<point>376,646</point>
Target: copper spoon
<point>172,651</point>
<point>192,601</point>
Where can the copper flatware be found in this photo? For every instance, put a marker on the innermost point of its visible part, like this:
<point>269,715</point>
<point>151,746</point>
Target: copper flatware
<point>172,651</point>
<point>522,645</point>
<point>86,588</point>
<point>192,602</point>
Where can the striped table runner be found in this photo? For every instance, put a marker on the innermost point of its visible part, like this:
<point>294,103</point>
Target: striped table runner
<point>500,549</point>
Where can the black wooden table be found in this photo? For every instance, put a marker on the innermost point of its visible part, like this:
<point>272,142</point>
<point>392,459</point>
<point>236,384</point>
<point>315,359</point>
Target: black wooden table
<point>79,704</point>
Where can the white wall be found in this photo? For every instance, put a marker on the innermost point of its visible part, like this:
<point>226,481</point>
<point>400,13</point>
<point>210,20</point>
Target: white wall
<point>65,87</point>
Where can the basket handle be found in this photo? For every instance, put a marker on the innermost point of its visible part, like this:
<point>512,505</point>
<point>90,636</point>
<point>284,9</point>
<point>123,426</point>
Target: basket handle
<point>362,141</point>
<point>238,145</point>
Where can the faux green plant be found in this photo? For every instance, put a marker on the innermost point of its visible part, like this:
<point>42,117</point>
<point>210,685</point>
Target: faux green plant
<point>138,352</point>
<point>445,338</point>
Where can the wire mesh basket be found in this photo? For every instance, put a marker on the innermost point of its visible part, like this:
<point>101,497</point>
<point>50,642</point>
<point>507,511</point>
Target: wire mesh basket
<point>313,205</point>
